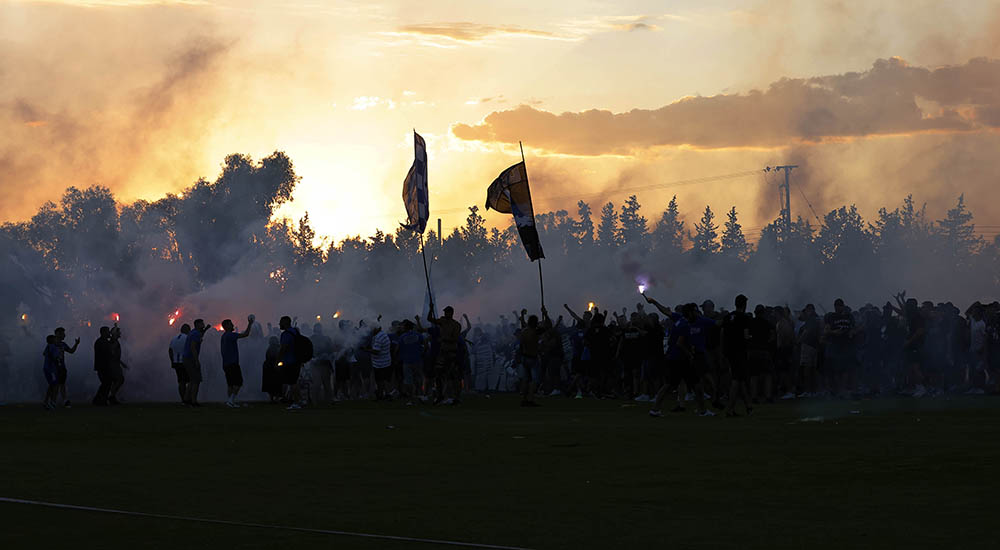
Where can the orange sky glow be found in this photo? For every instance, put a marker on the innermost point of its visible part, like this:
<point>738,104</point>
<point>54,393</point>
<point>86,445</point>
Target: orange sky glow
<point>146,96</point>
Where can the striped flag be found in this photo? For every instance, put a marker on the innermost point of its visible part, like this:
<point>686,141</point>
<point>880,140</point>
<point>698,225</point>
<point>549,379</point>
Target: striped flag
<point>510,194</point>
<point>415,189</point>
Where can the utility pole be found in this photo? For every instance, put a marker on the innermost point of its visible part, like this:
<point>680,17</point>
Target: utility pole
<point>441,237</point>
<point>786,210</point>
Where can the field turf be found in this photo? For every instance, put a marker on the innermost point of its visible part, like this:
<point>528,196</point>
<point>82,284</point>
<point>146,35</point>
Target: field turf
<point>570,474</point>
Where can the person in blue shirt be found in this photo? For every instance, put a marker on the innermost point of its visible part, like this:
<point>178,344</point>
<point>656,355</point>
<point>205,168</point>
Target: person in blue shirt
<point>411,355</point>
<point>192,363</point>
<point>680,361</point>
<point>231,359</point>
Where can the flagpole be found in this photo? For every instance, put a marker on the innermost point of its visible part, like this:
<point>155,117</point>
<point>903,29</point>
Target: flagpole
<point>427,278</point>
<point>541,283</point>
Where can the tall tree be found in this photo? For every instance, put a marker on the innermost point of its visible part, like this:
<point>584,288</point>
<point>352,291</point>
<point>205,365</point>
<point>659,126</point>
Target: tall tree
<point>607,229</point>
<point>706,234</point>
<point>584,227</point>
<point>958,233</point>
<point>844,238</point>
<point>668,235</point>
<point>633,225</point>
<point>734,243</point>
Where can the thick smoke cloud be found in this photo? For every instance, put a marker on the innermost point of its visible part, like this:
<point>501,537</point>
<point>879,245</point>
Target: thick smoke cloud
<point>890,98</point>
<point>72,114</point>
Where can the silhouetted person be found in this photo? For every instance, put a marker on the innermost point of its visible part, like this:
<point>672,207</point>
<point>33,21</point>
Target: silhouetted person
<point>838,334</point>
<point>176,352</point>
<point>192,361</point>
<point>446,368</point>
<point>117,366</point>
<point>288,361</point>
<point>322,364</point>
<point>531,371</point>
<point>681,364</point>
<point>271,376</point>
<point>735,337</point>
<point>103,357</point>
<point>62,348</point>
<point>230,348</point>
<point>50,368</point>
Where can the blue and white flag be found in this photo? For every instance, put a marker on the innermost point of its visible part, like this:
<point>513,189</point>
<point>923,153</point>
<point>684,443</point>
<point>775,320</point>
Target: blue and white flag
<point>510,194</point>
<point>415,189</point>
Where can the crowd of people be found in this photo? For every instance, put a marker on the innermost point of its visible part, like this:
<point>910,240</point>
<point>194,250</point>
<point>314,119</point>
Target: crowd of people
<point>718,358</point>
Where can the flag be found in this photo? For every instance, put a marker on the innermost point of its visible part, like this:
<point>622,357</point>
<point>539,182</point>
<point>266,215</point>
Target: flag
<point>415,189</point>
<point>510,194</point>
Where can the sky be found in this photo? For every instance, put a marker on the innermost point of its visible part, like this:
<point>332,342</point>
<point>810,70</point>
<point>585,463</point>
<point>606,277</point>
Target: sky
<point>874,100</point>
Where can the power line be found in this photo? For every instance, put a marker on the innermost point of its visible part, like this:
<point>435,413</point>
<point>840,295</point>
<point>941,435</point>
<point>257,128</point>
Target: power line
<point>811,209</point>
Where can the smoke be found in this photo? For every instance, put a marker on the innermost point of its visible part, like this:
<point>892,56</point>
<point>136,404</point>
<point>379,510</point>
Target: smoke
<point>72,114</point>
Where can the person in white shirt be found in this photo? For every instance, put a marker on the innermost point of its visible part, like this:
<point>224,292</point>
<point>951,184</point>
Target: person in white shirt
<point>381,361</point>
<point>176,352</point>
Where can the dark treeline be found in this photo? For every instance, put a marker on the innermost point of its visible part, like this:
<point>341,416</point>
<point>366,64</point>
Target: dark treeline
<point>81,254</point>
<point>215,251</point>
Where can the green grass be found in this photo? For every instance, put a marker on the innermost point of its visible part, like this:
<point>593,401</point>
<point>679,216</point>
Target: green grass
<point>571,474</point>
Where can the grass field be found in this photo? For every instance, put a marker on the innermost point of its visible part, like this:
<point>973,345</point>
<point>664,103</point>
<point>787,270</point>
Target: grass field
<point>571,474</point>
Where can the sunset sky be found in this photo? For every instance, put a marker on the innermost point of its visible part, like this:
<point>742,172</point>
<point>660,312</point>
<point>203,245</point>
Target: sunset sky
<point>874,99</point>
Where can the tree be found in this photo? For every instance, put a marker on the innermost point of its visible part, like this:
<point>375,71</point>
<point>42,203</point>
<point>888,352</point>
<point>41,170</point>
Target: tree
<point>584,227</point>
<point>734,244</point>
<point>958,233</point>
<point>308,253</point>
<point>706,234</point>
<point>668,235</point>
<point>633,225</point>
<point>607,229</point>
<point>843,238</point>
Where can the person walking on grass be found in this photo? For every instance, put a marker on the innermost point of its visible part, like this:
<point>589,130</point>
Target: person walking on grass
<point>735,337</point>
<point>50,370</point>
<point>681,364</point>
<point>61,349</point>
<point>231,359</point>
<point>531,372</point>
<point>446,368</point>
<point>103,356</point>
<point>192,362</point>
<point>289,363</point>
<point>176,352</point>
<point>381,362</point>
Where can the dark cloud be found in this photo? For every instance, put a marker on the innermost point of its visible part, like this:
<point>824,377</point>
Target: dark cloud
<point>637,26</point>
<point>890,98</point>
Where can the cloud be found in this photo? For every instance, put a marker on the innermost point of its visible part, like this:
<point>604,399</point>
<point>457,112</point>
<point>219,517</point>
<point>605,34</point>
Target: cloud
<point>118,3</point>
<point>471,32</point>
<point>365,102</point>
<point>890,98</point>
<point>476,101</point>
<point>452,34</point>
